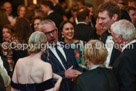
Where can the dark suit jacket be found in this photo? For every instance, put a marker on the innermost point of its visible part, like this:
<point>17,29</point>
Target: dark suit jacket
<point>115,52</point>
<point>99,79</point>
<point>125,15</point>
<point>2,87</point>
<point>125,69</point>
<point>84,32</point>
<point>1,38</point>
<point>56,18</point>
<point>66,84</point>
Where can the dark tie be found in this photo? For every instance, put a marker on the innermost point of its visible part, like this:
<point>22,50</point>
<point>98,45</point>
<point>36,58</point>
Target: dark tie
<point>108,33</point>
<point>62,58</point>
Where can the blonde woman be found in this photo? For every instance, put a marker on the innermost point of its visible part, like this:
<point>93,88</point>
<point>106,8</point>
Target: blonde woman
<point>98,78</point>
<point>33,74</point>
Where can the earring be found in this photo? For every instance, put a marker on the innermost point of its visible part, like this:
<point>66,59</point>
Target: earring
<point>62,36</point>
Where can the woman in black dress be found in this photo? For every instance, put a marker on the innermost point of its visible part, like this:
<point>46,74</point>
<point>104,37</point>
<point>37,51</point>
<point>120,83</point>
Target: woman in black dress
<point>33,74</point>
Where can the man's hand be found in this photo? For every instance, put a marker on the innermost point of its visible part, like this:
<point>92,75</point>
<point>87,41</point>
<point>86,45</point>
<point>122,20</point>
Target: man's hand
<point>70,73</point>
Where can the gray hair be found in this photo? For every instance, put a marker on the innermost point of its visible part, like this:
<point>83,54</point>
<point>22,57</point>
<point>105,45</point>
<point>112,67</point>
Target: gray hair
<point>46,21</point>
<point>124,28</point>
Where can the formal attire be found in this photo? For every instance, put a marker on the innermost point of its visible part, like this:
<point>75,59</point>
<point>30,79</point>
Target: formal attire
<point>125,15</point>
<point>1,37</point>
<point>125,67</point>
<point>84,32</point>
<point>97,79</point>
<point>79,53</point>
<point>48,84</point>
<point>113,53</point>
<point>55,17</point>
<point>2,87</point>
<point>58,66</point>
<point>58,9</point>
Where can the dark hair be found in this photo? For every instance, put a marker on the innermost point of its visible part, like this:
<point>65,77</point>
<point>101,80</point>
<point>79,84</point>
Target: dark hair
<point>89,5</point>
<point>132,1</point>
<point>19,7</point>
<point>29,15</point>
<point>9,27</point>
<point>37,17</point>
<point>22,30</point>
<point>47,3</point>
<point>1,53</point>
<point>40,13</point>
<point>130,8</point>
<point>82,14</point>
<point>61,28</point>
<point>3,17</point>
<point>111,8</point>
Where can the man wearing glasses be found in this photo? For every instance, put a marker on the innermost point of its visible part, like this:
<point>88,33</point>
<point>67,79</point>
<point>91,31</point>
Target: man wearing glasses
<point>62,59</point>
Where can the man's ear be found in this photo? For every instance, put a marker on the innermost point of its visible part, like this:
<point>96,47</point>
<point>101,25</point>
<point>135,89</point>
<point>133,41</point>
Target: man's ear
<point>115,17</point>
<point>120,39</point>
<point>87,19</point>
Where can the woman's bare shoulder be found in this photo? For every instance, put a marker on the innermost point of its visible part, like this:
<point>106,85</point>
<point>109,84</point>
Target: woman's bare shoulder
<point>45,63</point>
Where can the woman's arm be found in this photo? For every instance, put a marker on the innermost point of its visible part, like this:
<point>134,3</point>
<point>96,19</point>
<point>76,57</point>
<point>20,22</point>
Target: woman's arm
<point>58,83</point>
<point>14,78</point>
<point>49,74</point>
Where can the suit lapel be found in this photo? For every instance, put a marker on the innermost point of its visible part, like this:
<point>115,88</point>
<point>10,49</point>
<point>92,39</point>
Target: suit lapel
<point>67,53</point>
<point>104,37</point>
<point>54,58</point>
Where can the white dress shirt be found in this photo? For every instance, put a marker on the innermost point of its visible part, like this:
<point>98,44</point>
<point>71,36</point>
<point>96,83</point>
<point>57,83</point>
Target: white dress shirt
<point>109,45</point>
<point>55,53</point>
<point>128,45</point>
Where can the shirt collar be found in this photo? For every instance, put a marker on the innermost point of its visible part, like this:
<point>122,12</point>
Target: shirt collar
<point>128,44</point>
<point>52,46</point>
<point>81,23</point>
<point>96,66</point>
<point>50,12</point>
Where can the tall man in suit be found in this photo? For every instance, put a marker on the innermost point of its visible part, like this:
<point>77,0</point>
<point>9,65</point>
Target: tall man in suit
<point>2,87</point>
<point>82,30</point>
<point>108,13</point>
<point>124,36</point>
<point>48,9</point>
<point>61,58</point>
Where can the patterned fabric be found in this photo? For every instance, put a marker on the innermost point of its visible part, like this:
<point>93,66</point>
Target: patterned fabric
<point>78,50</point>
<point>6,49</point>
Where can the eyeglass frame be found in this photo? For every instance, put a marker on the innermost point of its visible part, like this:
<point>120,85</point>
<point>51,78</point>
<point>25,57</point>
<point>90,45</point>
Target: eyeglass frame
<point>51,32</point>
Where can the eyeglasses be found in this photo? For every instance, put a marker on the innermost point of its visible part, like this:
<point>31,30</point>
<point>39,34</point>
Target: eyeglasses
<point>51,32</point>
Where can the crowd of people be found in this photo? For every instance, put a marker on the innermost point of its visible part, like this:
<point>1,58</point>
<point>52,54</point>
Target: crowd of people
<point>48,47</point>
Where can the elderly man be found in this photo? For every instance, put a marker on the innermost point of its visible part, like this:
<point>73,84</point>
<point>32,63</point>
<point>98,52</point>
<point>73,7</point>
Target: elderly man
<point>124,36</point>
<point>62,59</point>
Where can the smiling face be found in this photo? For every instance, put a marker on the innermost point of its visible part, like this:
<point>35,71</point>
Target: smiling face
<point>104,20</point>
<point>6,34</point>
<point>8,7</point>
<point>132,16</point>
<point>36,23</point>
<point>22,11</point>
<point>68,31</point>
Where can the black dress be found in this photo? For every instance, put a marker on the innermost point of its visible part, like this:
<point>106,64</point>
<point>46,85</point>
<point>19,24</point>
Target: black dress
<point>48,84</point>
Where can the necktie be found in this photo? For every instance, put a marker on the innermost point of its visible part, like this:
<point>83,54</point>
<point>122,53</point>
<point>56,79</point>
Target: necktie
<point>61,57</point>
<point>108,33</point>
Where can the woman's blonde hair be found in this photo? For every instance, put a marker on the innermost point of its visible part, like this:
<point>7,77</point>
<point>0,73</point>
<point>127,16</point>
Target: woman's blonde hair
<point>37,42</point>
<point>95,52</point>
